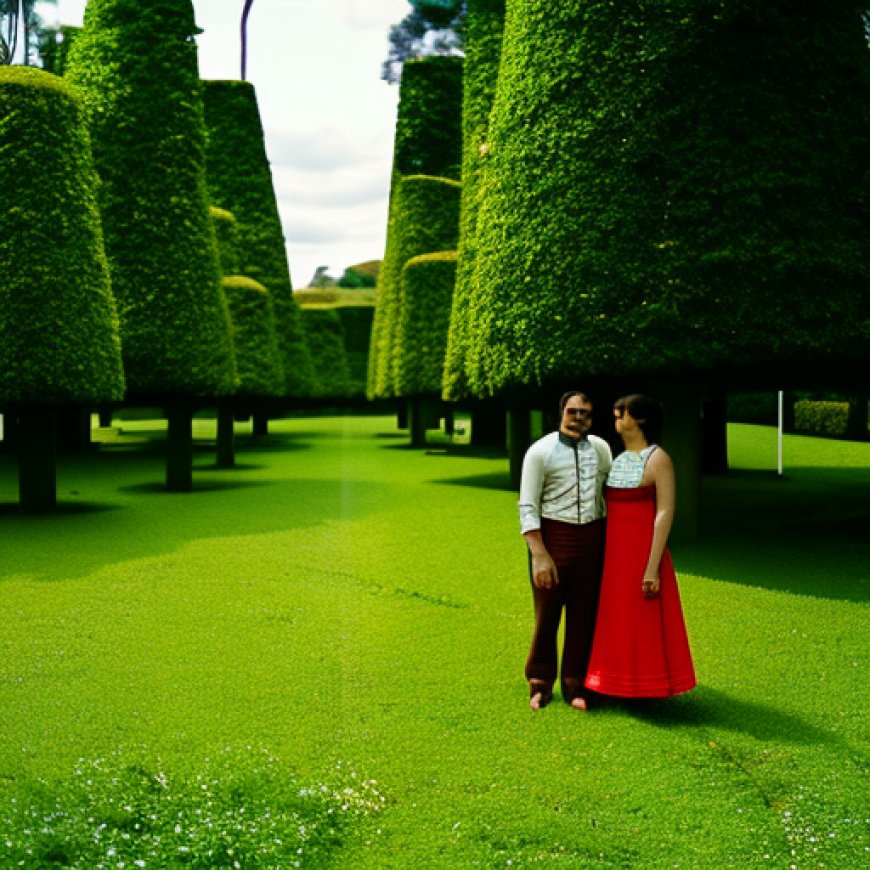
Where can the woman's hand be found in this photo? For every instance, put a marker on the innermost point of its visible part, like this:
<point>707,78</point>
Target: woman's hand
<point>651,587</point>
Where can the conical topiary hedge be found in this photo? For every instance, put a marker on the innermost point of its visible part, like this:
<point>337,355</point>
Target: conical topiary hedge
<point>58,325</point>
<point>484,27</point>
<point>137,66</point>
<point>674,189</point>
<point>240,179</point>
<point>427,292</point>
<point>424,218</point>
<point>428,141</point>
<point>253,327</point>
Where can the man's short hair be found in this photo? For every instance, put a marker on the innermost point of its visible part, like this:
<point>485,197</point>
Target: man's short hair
<point>570,395</point>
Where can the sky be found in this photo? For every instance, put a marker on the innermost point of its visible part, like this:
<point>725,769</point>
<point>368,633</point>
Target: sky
<point>329,119</point>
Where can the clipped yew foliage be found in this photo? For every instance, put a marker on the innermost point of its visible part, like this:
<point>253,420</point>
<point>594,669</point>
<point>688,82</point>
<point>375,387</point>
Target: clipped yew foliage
<point>58,324</point>
<point>429,119</point>
<point>137,66</point>
<point>356,324</point>
<point>428,141</point>
<point>424,219</point>
<point>427,293</point>
<point>674,188</point>
<point>226,230</point>
<point>240,179</point>
<point>484,27</point>
<point>325,337</point>
<point>253,329</point>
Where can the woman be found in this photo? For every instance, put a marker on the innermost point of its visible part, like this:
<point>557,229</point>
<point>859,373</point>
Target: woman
<point>640,648</point>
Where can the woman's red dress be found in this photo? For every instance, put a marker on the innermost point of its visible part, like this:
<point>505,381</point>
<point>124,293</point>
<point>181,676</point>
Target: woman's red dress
<point>640,648</point>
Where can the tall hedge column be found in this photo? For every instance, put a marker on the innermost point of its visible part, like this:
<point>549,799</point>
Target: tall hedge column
<point>58,325</point>
<point>137,64</point>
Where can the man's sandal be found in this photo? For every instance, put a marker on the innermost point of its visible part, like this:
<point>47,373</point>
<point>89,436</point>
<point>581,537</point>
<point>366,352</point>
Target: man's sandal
<point>540,694</point>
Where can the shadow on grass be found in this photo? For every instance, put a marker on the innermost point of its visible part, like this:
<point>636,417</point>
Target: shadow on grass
<point>78,539</point>
<point>785,533</point>
<point>157,488</point>
<point>63,508</point>
<point>495,480</point>
<point>706,707</point>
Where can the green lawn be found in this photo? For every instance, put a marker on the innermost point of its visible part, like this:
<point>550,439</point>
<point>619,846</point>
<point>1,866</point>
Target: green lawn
<point>325,646</point>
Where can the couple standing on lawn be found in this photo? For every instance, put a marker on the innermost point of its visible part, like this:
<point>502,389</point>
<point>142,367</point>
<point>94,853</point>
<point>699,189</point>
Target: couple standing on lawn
<point>624,629</point>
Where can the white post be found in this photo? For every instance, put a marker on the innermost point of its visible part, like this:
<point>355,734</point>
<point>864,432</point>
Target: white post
<point>779,421</point>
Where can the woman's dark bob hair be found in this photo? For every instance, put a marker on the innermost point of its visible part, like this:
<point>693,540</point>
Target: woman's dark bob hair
<point>648,413</point>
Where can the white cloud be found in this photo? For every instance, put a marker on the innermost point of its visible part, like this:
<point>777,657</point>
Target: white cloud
<point>328,118</point>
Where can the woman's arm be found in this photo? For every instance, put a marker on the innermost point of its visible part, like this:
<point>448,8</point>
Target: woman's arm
<point>660,473</point>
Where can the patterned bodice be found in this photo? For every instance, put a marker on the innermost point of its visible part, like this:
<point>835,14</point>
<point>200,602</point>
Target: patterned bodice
<point>628,467</point>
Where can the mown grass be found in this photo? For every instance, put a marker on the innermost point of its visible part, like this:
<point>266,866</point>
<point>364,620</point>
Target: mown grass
<point>358,614</point>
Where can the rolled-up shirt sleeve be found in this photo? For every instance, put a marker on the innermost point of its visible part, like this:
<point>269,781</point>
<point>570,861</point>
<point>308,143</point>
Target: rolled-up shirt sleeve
<point>531,489</point>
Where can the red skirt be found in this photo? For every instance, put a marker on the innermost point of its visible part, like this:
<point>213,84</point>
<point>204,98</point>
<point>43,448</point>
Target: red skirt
<point>640,648</point>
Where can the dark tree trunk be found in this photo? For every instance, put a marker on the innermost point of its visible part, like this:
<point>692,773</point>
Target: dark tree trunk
<point>682,439</point>
<point>226,439</point>
<point>37,458</point>
<point>73,429</point>
<point>519,438</point>
<point>489,424</point>
<point>714,435</point>
<point>260,424</point>
<point>179,448</point>
<point>856,422</point>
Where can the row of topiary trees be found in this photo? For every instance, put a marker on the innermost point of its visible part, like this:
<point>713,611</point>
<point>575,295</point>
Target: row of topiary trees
<point>416,278</point>
<point>669,197</point>
<point>142,251</point>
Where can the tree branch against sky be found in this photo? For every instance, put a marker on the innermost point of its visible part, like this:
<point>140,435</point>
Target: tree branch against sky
<point>432,27</point>
<point>18,18</point>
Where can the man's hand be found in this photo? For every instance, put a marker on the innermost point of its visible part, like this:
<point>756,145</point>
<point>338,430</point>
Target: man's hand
<point>544,574</point>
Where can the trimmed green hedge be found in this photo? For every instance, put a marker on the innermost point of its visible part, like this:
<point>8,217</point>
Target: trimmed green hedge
<point>58,324</point>
<point>226,231</point>
<point>137,65</point>
<point>325,337</point>
<point>424,219</point>
<point>240,179</point>
<point>428,141</point>
<point>54,46</point>
<point>429,118</point>
<point>822,418</point>
<point>427,292</point>
<point>675,188</point>
<point>484,28</point>
<point>253,328</point>
<point>356,324</point>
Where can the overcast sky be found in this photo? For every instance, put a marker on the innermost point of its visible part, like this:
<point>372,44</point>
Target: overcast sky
<point>328,116</point>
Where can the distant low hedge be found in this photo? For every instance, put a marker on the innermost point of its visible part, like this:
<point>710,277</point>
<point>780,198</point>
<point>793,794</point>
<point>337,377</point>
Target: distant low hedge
<point>58,323</point>
<point>424,218</point>
<point>325,337</point>
<point>136,64</point>
<point>240,179</point>
<point>821,418</point>
<point>427,292</point>
<point>253,329</point>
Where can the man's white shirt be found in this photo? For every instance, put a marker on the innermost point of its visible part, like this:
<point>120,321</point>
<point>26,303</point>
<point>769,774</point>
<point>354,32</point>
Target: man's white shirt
<point>563,479</point>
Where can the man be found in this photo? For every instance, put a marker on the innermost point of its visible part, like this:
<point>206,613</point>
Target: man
<point>562,520</point>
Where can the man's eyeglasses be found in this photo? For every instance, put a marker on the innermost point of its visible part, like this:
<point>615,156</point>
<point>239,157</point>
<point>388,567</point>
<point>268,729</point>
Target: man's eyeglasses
<point>578,412</point>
